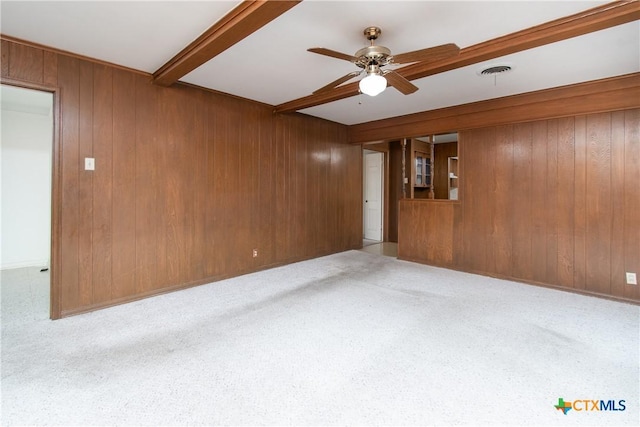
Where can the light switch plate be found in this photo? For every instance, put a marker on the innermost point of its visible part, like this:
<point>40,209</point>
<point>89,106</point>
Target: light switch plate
<point>89,163</point>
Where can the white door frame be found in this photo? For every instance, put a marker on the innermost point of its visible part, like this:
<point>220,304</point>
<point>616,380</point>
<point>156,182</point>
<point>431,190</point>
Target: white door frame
<point>54,254</point>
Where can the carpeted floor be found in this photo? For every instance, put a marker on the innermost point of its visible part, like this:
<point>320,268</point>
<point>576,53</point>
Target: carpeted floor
<point>351,338</point>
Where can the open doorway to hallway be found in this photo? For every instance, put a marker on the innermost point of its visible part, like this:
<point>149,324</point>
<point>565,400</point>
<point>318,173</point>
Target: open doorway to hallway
<point>26,149</point>
<point>373,203</point>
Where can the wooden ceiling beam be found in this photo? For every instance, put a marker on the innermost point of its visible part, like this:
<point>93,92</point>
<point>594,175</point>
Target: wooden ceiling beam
<point>242,21</point>
<point>595,19</point>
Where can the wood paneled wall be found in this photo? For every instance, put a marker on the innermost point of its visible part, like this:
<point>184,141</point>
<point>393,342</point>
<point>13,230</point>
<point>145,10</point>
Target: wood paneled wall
<point>395,185</point>
<point>553,202</point>
<point>187,183</point>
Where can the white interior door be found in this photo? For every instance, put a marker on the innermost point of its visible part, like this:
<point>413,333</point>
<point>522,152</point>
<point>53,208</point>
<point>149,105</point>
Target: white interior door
<point>373,167</point>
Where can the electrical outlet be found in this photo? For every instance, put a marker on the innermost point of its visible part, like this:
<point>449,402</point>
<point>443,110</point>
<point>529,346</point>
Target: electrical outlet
<point>89,164</point>
<point>255,253</point>
<point>632,279</point>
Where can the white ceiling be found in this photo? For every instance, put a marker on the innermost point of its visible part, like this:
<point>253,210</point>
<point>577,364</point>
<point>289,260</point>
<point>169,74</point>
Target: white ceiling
<point>272,65</point>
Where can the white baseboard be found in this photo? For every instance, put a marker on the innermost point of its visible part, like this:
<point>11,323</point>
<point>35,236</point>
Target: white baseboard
<point>22,264</point>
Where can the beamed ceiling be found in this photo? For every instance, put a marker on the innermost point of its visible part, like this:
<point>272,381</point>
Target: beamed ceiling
<point>258,50</point>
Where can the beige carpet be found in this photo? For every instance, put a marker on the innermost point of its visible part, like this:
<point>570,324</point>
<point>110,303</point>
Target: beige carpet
<point>352,338</point>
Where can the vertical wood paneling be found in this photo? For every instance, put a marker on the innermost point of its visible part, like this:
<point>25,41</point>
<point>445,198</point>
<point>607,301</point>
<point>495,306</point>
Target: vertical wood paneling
<point>326,192</point>
<point>165,219</point>
<point>251,200</point>
<point>197,262</point>
<point>246,175</point>
<point>102,183</point>
<point>186,184</point>
<point>266,154</point>
<point>572,204</point>
<point>522,221</point>
<point>580,201</point>
<point>539,194</point>
<point>212,190</point>
<point>549,203</point>
<point>395,187</point>
<point>167,188</point>
<point>50,69</point>
<point>238,249</point>
<point>353,203</point>
<point>617,278</point>
<point>502,184</point>
<point>336,183</point>
<point>85,184</point>
<point>217,227</point>
<point>346,163</point>
<point>69,245</point>
<point>484,224</point>
<point>124,189</point>
<point>598,203</point>
<point>26,63</point>
<point>186,141</point>
<point>146,185</point>
<point>176,160</point>
<point>440,244</point>
<point>565,201</point>
<point>299,203</point>
<point>469,146</point>
<point>431,239</point>
<point>280,185</point>
<point>311,186</point>
<point>632,199</point>
<point>478,183</point>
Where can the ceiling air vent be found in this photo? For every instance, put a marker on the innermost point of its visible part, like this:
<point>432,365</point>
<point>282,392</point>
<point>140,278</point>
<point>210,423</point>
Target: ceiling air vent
<point>496,69</point>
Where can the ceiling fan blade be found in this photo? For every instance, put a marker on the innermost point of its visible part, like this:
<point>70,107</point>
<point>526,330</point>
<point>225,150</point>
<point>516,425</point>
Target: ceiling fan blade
<point>396,80</point>
<point>429,54</point>
<point>337,82</point>
<point>333,54</point>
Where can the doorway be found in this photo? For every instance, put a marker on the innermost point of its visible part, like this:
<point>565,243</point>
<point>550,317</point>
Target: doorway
<point>373,195</point>
<point>26,159</point>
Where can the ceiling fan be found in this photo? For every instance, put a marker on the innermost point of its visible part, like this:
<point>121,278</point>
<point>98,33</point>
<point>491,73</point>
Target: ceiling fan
<point>372,58</point>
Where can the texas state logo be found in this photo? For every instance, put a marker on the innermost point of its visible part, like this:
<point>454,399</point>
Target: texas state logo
<point>587,405</point>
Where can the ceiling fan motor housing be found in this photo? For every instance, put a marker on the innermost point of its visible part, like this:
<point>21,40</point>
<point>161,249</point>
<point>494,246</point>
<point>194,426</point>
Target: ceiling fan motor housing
<point>379,54</point>
<point>373,55</point>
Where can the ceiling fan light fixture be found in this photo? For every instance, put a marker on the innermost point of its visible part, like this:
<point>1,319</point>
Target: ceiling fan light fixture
<point>373,84</point>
